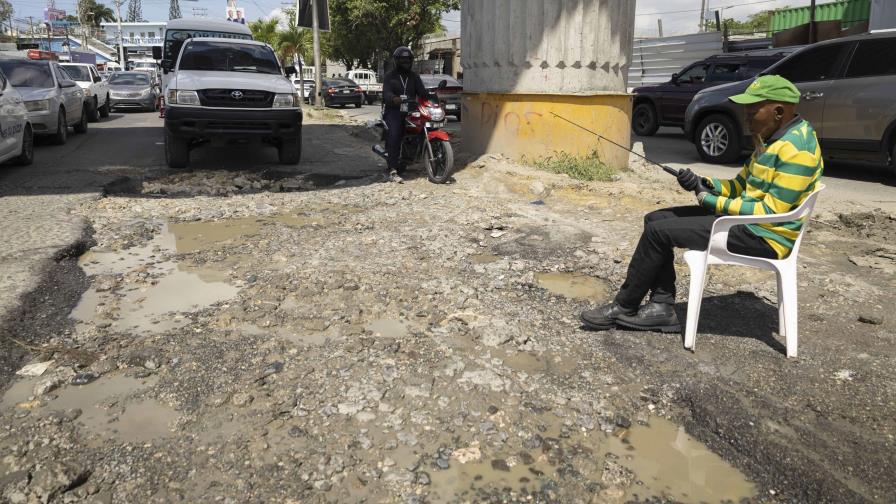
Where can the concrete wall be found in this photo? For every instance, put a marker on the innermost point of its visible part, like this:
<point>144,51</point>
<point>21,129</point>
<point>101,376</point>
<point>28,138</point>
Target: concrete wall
<point>526,60</point>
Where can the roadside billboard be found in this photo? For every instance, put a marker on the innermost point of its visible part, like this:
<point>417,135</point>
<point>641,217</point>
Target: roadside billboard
<point>236,14</point>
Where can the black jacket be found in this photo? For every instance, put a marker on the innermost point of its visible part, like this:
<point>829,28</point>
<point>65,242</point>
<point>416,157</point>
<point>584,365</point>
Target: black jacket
<point>393,86</point>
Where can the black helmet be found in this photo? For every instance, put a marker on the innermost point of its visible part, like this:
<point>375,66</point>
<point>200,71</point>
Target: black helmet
<point>404,58</point>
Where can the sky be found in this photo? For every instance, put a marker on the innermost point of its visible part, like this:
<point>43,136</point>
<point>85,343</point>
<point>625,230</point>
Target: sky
<point>648,11</point>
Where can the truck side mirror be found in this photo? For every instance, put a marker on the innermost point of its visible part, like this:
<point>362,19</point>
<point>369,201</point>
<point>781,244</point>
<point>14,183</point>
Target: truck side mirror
<point>167,65</point>
<point>156,52</point>
<point>443,84</point>
<point>289,70</point>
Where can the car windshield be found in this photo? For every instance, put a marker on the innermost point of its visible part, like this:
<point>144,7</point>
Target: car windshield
<point>78,73</point>
<point>27,73</point>
<point>129,79</point>
<point>434,80</point>
<point>340,82</point>
<point>229,57</point>
<point>144,64</point>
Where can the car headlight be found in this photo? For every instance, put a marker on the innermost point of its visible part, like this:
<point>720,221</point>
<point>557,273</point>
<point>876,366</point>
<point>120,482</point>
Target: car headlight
<point>286,100</point>
<point>37,105</point>
<point>146,92</point>
<point>436,113</point>
<point>183,97</point>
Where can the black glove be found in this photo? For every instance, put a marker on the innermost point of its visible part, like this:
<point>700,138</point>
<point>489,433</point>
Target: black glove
<point>688,180</point>
<point>704,185</point>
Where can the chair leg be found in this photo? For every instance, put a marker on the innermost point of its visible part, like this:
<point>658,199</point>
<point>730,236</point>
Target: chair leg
<point>782,328</point>
<point>791,306</point>
<point>695,299</point>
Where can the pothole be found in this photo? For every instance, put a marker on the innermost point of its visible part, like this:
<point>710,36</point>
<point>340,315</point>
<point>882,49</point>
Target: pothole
<point>574,286</point>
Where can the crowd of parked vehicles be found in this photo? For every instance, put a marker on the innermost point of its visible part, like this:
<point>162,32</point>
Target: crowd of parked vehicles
<point>847,94</point>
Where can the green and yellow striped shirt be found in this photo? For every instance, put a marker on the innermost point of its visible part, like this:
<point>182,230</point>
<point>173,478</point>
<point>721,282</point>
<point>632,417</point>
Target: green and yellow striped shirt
<point>774,182</point>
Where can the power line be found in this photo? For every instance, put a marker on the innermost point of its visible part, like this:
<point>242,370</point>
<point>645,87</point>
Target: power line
<point>724,7</point>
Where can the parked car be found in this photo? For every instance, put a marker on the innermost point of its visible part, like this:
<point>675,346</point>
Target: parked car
<point>342,92</point>
<point>96,91</point>
<point>53,100</point>
<point>373,89</point>
<point>307,91</point>
<point>16,135</point>
<point>133,90</point>
<point>665,104</point>
<point>449,96</point>
<point>230,88</point>
<point>847,88</point>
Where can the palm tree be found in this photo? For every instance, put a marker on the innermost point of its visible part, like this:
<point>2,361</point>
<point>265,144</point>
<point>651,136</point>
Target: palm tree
<point>265,31</point>
<point>293,41</point>
<point>100,13</point>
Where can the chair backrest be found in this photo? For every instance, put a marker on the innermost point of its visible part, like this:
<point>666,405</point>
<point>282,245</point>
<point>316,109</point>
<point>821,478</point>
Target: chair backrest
<point>805,210</point>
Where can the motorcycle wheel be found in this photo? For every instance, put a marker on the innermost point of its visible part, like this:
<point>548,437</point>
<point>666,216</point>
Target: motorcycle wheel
<point>441,166</point>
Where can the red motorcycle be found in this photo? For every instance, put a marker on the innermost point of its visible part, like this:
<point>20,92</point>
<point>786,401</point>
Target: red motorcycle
<point>423,139</point>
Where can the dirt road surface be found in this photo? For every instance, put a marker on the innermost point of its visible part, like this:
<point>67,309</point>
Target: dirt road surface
<point>241,332</point>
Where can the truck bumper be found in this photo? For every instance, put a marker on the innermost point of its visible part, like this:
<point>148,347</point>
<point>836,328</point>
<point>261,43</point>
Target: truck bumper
<point>195,122</point>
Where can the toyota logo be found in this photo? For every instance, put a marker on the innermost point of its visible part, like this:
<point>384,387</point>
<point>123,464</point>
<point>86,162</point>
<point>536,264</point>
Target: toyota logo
<point>237,95</point>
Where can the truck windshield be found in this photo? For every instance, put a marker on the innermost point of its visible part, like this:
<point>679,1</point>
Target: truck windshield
<point>229,57</point>
<point>78,73</point>
<point>34,74</point>
<point>174,39</point>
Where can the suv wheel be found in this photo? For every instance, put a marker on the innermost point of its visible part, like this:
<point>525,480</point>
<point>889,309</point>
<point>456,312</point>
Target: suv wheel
<point>177,151</point>
<point>717,139</point>
<point>61,135</point>
<point>104,110</point>
<point>644,120</point>
<point>81,126</point>
<point>290,150</point>
<point>93,109</point>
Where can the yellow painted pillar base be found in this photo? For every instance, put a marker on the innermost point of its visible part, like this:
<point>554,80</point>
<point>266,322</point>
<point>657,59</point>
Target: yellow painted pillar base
<point>519,125</point>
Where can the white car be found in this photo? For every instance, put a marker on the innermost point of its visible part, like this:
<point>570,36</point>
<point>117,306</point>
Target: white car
<point>16,135</point>
<point>54,101</point>
<point>96,91</point>
<point>373,89</point>
<point>230,88</point>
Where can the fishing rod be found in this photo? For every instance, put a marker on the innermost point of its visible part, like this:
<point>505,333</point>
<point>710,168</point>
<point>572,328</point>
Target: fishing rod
<point>667,169</point>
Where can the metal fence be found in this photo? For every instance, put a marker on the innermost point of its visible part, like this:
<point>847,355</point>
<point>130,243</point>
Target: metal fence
<point>655,60</point>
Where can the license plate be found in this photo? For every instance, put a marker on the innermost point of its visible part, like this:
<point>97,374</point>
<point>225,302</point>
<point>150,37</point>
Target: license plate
<point>439,124</point>
<point>451,106</point>
<point>345,91</point>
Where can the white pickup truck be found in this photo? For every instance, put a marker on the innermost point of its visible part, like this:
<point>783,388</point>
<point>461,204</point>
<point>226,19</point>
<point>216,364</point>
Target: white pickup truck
<point>366,79</point>
<point>229,88</point>
<point>96,91</point>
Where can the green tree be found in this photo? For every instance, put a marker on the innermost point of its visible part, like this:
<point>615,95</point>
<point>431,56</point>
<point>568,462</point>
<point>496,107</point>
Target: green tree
<point>760,22</point>
<point>265,31</point>
<point>5,16</point>
<point>98,13</point>
<point>365,32</point>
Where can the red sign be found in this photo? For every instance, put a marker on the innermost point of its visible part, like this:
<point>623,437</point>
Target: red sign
<point>35,54</point>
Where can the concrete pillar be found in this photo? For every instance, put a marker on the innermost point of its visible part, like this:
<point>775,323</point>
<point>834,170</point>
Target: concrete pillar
<point>525,60</point>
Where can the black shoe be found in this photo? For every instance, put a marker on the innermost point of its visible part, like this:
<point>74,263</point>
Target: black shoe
<point>652,317</point>
<point>604,318</point>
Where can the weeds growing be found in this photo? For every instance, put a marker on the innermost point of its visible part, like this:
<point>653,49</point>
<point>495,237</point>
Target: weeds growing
<point>589,167</point>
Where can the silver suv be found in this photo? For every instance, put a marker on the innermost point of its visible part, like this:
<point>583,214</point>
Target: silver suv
<point>847,88</point>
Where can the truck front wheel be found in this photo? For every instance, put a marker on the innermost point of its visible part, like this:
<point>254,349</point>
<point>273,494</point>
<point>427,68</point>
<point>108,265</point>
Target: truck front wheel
<point>177,151</point>
<point>290,150</point>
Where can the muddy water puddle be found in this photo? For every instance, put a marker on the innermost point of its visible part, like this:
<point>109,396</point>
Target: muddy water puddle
<point>485,258</point>
<point>672,464</point>
<point>205,235</point>
<point>574,285</point>
<point>666,462</point>
<point>389,328</point>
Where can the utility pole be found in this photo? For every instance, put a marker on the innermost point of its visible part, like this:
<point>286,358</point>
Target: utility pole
<point>120,37</point>
<point>315,26</point>
<point>659,27</point>
<point>702,26</point>
<point>812,34</point>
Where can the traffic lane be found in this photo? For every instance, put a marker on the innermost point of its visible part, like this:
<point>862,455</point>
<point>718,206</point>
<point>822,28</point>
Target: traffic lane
<point>845,181</point>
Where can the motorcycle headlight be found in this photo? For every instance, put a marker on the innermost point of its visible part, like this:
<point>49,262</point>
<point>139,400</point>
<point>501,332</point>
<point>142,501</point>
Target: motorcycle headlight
<point>286,100</point>
<point>37,105</point>
<point>183,97</point>
<point>436,113</point>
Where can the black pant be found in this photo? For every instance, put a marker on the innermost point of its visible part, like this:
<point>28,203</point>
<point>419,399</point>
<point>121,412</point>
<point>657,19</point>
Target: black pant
<point>394,120</point>
<point>651,268</point>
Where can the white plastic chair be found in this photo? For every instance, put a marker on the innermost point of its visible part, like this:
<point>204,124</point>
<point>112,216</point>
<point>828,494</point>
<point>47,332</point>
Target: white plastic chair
<point>785,269</point>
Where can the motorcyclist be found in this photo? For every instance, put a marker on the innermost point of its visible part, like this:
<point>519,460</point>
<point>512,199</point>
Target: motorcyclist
<point>399,85</point>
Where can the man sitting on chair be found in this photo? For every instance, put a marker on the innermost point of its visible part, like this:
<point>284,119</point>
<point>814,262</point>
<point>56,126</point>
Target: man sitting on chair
<point>781,173</point>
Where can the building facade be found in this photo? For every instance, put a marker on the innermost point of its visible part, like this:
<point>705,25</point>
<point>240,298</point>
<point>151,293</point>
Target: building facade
<point>138,38</point>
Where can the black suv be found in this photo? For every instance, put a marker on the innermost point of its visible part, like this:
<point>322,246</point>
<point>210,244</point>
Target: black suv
<point>665,104</point>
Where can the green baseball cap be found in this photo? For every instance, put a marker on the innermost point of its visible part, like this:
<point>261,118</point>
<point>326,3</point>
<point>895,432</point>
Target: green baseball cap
<point>768,88</point>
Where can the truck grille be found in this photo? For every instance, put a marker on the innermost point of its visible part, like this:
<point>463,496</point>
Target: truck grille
<point>249,98</point>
